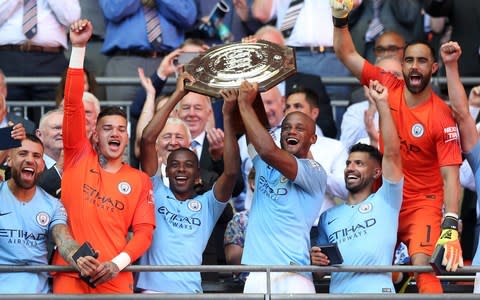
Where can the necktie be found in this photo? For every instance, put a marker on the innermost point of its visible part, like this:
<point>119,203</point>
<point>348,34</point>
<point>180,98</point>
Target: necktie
<point>291,17</point>
<point>152,22</point>
<point>29,27</point>
<point>195,148</point>
<point>375,28</point>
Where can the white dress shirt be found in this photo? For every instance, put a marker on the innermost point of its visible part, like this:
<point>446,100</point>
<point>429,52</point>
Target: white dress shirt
<point>314,25</point>
<point>53,19</point>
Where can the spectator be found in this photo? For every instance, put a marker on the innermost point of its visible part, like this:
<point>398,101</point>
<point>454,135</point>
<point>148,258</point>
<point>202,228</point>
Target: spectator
<point>6,116</point>
<point>139,33</point>
<point>354,128</point>
<point>464,17</point>
<point>403,17</point>
<point>289,191</point>
<point>103,196</point>
<point>91,105</point>
<point>329,153</point>
<point>372,215</point>
<point>199,213</point>
<point>34,48</point>
<point>388,44</point>
<point>325,122</point>
<point>50,133</point>
<point>237,22</point>
<point>89,86</point>
<point>27,208</point>
<point>20,125</point>
<point>168,67</point>
<point>18,133</point>
<point>95,61</point>
<point>430,150</point>
<point>313,48</point>
<point>451,53</point>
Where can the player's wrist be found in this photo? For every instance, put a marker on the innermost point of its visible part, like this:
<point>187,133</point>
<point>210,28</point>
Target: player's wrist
<point>340,22</point>
<point>122,260</point>
<point>450,221</point>
<point>77,57</point>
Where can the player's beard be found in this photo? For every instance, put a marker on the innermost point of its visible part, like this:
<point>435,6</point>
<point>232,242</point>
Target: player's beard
<point>17,178</point>
<point>417,88</point>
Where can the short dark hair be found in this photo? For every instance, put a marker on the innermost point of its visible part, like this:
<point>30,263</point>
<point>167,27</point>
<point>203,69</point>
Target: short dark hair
<point>310,95</point>
<point>373,152</point>
<point>417,42</point>
<point>182,149</point>
<point>33,138</point>
<point>111,111</point>
<point>194,42</point>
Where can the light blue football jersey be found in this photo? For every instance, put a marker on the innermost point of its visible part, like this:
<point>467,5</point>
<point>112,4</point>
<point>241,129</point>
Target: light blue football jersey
<point>366,234</point>
<point>473,158</point>
<point>24,228</point>
<point>282,214</point>
<point>181,234</point>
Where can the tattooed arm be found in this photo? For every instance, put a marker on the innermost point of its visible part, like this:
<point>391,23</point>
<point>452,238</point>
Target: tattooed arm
<point>67,246</point>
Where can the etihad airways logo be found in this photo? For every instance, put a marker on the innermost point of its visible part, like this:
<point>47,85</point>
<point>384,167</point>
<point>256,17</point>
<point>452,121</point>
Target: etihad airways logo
<point>179,221</point>
<point>93,196</point>
<point>20,236</point>
<point>352,232</point>
<point>272,193</point>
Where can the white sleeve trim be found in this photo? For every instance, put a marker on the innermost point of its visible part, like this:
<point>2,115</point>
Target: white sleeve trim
<point>122,260</point>
<point>77,57</point>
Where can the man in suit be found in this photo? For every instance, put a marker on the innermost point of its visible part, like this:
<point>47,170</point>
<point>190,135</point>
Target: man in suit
<point>5,116</point>
<point>10,119</point>
<point>50,133</point>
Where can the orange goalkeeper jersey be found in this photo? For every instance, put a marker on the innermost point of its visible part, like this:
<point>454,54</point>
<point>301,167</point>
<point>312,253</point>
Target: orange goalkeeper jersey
<point>101,206</point>
<point>428,136</point>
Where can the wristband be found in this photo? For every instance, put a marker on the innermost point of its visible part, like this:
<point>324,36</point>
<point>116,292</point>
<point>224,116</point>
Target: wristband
<point>450,222</point>
<point>340,22</point>
<point>122,260</point>
<point>77,57</point>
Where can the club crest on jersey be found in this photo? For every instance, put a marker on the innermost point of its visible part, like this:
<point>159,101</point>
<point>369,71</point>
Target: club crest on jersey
<point>417,130</point>
<point>365,208</point>
<point>124,188</point>
<point>194,205</point>
<point>43,218</point>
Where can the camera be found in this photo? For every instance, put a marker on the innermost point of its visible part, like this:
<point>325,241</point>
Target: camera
<point>214,26</point>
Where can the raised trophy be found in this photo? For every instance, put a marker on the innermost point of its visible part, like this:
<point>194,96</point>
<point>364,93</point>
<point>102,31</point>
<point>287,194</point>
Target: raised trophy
<point>226,66</point>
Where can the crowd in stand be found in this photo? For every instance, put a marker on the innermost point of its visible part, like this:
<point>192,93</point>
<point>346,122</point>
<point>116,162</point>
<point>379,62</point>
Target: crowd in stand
<point>392,183</point>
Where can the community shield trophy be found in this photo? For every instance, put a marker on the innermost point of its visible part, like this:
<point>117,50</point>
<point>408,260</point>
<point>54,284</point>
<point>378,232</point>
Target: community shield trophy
<point>226,66</point>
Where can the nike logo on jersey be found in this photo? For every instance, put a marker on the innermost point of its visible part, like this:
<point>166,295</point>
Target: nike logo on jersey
<point>4,214</point>
<point>331,221</point>
<point>94,171</point>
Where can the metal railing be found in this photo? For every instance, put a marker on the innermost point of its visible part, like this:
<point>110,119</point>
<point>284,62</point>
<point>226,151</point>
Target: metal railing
<point>171,80</point>
<point>461,276</point>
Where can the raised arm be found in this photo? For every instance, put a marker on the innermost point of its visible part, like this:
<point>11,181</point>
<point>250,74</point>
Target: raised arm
<point>342,39</point>
<point>148,153</point>
<point>231,155</point>
<point>391,162</point>
<point>451,53</point>
<point>259,137</point>
<point>262,10</point>
<point>148,109</point>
